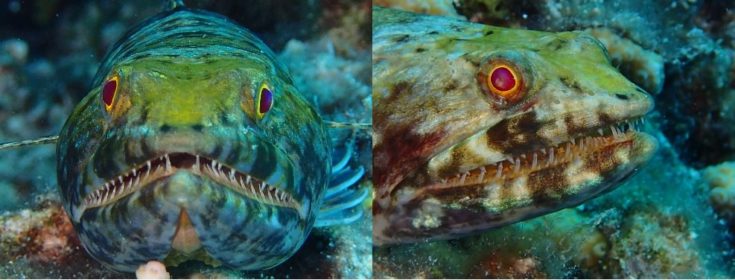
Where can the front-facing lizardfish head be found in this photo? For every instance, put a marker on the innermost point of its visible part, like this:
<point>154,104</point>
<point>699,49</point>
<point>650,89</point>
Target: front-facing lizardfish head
<point>175,159</point>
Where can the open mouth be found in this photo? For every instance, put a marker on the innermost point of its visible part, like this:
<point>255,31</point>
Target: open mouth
<point>168,164</point>
<point>581,146</point>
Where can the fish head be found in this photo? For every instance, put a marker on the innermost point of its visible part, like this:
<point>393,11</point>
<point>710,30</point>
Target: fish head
<point>217,159</point>
<point>478,127</point>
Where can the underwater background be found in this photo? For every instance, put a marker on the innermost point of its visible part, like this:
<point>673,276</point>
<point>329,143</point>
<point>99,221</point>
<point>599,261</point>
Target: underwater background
<point>675,218</point>
<point>49,53</point>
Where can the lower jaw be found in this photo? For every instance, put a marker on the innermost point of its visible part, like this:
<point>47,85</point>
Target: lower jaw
<point>450,210</point>
<point>563,169</point>
<point>151,221</point>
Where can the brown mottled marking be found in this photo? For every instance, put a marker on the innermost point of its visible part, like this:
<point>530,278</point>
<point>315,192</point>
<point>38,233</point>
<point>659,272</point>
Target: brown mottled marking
<point>547,184</point>
<point>505,135</point>
<point>441,137</point>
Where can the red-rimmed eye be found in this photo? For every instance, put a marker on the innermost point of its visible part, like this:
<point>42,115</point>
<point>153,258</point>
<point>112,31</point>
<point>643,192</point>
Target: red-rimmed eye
<point>265,100</point>
<point>109,89</point>
<point>504,82</point>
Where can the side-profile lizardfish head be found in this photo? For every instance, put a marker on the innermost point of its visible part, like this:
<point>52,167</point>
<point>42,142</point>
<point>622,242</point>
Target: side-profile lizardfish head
<point>477,127</point>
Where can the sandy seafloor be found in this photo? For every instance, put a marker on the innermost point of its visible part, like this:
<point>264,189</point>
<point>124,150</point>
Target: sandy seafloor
<point>675,218</point>
<point>49,52</point>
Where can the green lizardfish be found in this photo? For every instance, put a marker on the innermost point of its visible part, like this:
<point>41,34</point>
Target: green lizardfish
<point>476,127</point>
<point>194,143</point>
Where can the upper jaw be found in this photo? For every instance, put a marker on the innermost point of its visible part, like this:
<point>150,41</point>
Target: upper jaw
<point>524,143</point>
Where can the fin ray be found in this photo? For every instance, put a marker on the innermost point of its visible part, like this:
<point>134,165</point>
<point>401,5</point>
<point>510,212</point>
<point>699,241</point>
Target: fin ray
<point>343,180</point>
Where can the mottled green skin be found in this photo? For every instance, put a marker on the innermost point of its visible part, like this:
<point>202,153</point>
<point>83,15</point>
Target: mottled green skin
<point>440,136</point>
<point>188,83</point>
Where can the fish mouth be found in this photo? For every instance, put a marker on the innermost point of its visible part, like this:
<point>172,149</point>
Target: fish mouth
<point>169,164</point>
<point>593,144</point>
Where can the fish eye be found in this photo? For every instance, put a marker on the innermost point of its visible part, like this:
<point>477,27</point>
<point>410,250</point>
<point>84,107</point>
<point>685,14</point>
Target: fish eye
<point>504,82</point>
<point>109,91</point>
<point>265,100</point>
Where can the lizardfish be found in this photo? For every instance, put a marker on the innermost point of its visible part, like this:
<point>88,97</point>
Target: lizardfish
<point>193,143</point>
<point>476,127</point>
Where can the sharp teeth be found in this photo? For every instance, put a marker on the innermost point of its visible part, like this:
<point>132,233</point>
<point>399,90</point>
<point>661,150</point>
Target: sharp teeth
<point>599,131</point>
<point>535,161</point>
<point>114,190</point>
<point>482,174</point>
<point>260,190</point>
<point>119,178</point>
<point>134,172</point>
<point>247,181</point>
<point>573,142</point>
<point>270,196</point>
<point>215,170</point>
<point>148,163</point>
<point>570,151</point>
<point>168,163</point>
<point>517,166</point>
<point>240,183</point>
<point>196,164</point>
<point>551,157</point>
<point>232,175</point>
<point>105,197</point>
<point>252,190</point>
<point>462,178</point>
<point>137,181</point>
<point>543,151</point>
<point>500,170</point>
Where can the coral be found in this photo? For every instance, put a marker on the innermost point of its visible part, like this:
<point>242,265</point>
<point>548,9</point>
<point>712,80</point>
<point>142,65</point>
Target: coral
<point>641,66</point>
<point>433,7</point>
<point>44,237</point>
<point>152,270</point>
<point>24,113</point>
<point>653,244</point>
<point>337,84</point>
<point>697,105</point>
<point>333,71</point>
<point>594,248</point>
<point>498,265</point>
<point>720,181</point>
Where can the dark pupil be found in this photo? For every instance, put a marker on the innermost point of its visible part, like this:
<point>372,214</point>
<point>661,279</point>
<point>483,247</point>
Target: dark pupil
<point>266,100</point>
<point>108,92</point>
<point>503,79</point>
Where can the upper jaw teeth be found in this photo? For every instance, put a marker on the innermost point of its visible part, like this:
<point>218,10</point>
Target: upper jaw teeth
<point>573,149</point>
<point>168,164</point>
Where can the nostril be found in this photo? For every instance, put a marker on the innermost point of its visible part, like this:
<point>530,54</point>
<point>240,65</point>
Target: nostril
<point>197,127</point>
<point>165,128</point>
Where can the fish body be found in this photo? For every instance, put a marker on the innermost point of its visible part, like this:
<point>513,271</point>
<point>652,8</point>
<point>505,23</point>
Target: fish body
<point>476,127</point>
<point>193,143</point>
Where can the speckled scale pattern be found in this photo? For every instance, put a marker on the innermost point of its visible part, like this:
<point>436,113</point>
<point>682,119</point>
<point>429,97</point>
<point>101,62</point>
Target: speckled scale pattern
<point>452,158</point>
